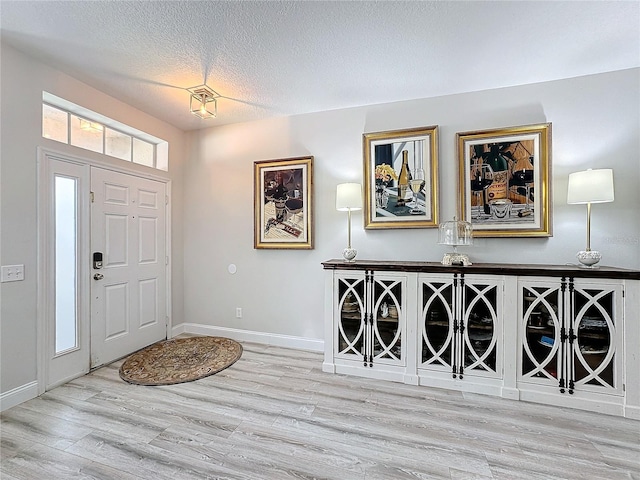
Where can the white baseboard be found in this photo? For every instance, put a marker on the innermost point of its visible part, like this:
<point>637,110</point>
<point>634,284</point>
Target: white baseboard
<point>410,379</point>
<point>18,395</point>
<point>328,367</point>
<point>511,393</point>
<point>632,412</point>
<point>599,404</point>
<point>287,341</point>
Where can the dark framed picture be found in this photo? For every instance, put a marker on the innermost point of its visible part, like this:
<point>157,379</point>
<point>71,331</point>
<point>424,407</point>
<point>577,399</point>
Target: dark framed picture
<point>283,196</point>
<point>401,178</point>
<point>504,181</point>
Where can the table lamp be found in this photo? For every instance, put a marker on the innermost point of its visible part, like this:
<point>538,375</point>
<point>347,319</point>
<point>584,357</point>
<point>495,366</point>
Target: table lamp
<point>590,186</point>
<point>348,199</point>
<point>456,233</point>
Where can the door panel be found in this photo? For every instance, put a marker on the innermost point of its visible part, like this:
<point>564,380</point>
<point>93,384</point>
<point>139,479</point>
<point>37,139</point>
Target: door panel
<point>116,194</point>
<point>128,309</point>
<point>116,314</point>
<point>116,233</point>
<point>148,233</point>
<point>148,290</point>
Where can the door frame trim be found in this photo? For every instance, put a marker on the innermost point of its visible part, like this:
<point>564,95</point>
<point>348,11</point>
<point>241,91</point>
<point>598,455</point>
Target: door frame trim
<point>44,219</point>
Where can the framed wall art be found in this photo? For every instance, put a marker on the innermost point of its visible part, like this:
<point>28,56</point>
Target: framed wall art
<point>504,181</point>
<point>283,196</point>
<point>401,178</point>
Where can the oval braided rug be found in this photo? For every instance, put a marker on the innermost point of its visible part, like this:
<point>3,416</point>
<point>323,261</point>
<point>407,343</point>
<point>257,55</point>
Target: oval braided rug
<point>180,360</point>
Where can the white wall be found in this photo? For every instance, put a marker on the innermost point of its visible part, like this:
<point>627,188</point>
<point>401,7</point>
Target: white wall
<point>22,81</point>
<point>596,123</point>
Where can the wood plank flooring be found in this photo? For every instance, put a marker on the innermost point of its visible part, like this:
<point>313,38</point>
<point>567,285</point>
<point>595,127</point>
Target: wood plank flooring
<point>275,415</point>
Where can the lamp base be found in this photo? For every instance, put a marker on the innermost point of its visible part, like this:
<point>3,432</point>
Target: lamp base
<point>349,254</point>
<point>588,258</point>
<point>456,259</point>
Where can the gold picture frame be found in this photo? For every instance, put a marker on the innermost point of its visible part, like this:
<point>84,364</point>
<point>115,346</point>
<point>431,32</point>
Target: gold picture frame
<point>504,181</point>
<point>388,199</point>
<point>283,203</point>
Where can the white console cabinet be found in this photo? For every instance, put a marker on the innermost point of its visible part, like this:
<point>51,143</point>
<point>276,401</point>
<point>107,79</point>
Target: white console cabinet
<point>558,335</point>
<point>460,331</point>
<point>371,322</point>
<point>571,341</point>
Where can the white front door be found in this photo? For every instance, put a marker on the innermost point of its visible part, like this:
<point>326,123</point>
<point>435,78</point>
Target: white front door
<point>128,289</point>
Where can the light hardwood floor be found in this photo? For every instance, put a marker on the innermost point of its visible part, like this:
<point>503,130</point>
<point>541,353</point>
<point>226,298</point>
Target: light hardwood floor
<point>275,415</point>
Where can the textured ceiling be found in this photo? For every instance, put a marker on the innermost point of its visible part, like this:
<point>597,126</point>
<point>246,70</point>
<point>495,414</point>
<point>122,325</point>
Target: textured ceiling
<point>273,58</point>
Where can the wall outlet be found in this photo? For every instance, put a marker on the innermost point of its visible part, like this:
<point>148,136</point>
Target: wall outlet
<point>238,312</point>
<point>12,273</point>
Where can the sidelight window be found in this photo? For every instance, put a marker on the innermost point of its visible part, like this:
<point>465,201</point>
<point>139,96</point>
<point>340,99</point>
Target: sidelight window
<point>66,263</point>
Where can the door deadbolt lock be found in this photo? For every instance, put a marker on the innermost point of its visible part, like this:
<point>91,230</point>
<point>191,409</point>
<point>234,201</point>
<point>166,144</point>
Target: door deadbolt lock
<point>98,276</point>
<point>97,260</point>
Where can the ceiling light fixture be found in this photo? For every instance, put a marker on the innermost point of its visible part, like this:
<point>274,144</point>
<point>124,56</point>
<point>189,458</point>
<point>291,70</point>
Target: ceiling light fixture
<point>203,101</point>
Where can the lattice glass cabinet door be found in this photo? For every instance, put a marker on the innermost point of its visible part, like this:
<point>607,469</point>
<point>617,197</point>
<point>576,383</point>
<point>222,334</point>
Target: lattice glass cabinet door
<point>388,315</point>
<point>541,307</point>
<point>460,326</point>
<point>482,328</point>
<point>436,324</point>
<point>350,328</point>
<point>597,336</point>
<point>571,333</point>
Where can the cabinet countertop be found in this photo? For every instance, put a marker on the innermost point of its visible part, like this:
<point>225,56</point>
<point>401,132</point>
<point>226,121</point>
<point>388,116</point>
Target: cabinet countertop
<point>568,270</point>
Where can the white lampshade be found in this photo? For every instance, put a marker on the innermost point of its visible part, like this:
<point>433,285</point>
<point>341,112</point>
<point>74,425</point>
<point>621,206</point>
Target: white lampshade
<point>349,197</point>
<point>591,186</point>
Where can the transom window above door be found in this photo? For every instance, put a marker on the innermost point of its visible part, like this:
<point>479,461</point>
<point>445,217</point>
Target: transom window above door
<point>68,123</point>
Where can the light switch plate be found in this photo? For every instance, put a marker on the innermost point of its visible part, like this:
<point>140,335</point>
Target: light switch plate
<point>12,273</point>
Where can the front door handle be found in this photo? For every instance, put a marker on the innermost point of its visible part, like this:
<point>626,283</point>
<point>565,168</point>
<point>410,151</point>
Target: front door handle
<point>98,276</point>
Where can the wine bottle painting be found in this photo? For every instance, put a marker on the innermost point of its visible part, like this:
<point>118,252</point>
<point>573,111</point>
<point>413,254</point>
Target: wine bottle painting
<point>401,178</point>
<point>283,189</point>
<point>282,203</point>
<point>501,180</point>
<point>505,176</point>
<point>399,190</point>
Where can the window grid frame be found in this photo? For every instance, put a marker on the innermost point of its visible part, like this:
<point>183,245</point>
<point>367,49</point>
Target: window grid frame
<point>104,127</point>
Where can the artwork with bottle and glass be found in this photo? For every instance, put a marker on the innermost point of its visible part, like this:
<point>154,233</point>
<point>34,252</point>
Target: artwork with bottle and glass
<point>504,179</point>
<point>401,178</point>
<point>282,203</point>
